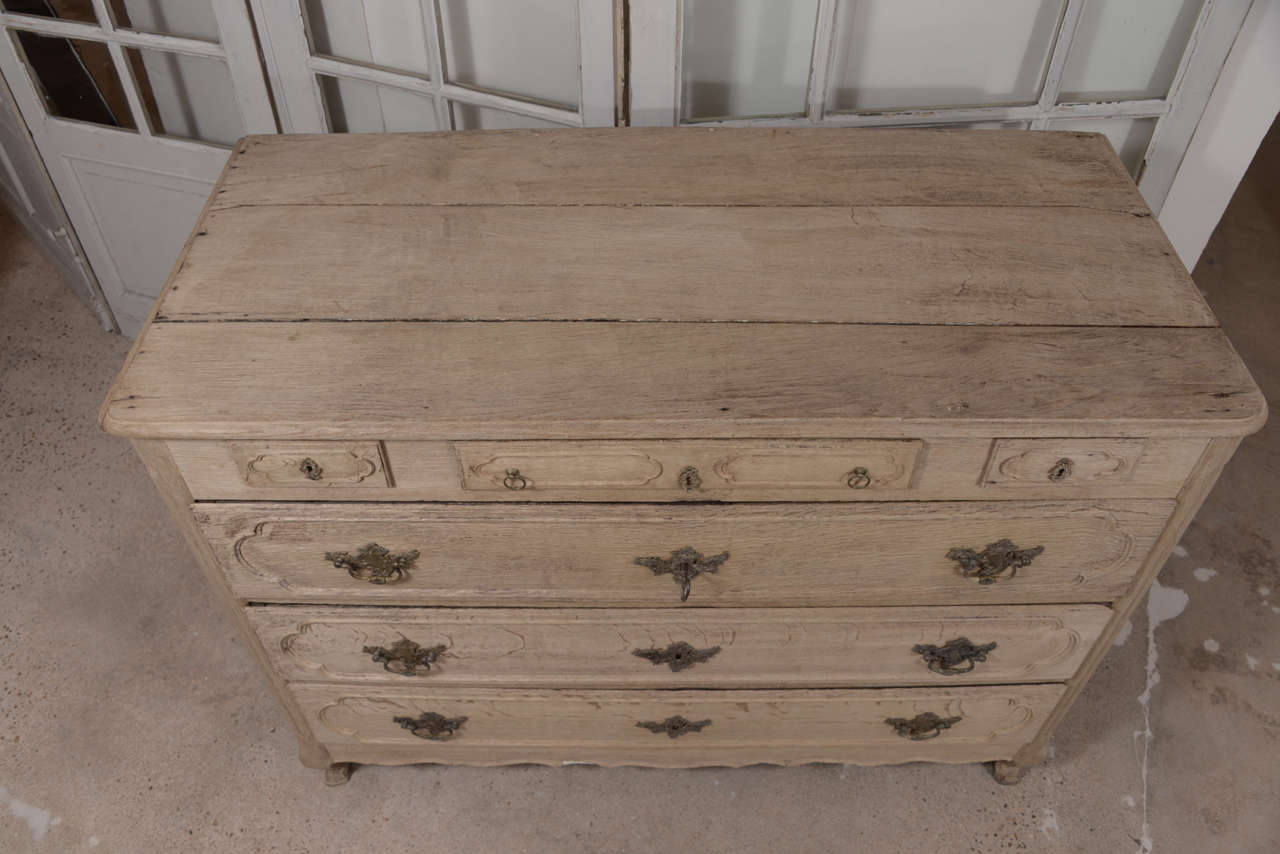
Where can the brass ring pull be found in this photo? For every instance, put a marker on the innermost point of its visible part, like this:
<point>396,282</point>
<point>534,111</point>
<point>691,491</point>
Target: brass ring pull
<point>684,565</point>
<point>374,564</point>
<point>859,478</point>
<point>1061,470</point>
<point>311,469</point>
<point>515,480</point>
<point>949,659</point>
<point>922,727</point>
<point>405,658</point>
<point>431,726</point>
<point>991,564</point>
<point>677,656</point>
<point>674,727</point>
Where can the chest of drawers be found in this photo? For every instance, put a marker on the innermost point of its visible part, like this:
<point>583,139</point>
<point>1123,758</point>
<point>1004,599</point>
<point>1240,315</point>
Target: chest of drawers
<point>680,447</point>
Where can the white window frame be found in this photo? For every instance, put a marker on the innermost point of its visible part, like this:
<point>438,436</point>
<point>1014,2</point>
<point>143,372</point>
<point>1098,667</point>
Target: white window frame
<point>654,81</point>
<point>237,49</point>
<point>292,70</point>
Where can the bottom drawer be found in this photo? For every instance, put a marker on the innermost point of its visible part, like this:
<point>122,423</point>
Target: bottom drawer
<point>673,729</point>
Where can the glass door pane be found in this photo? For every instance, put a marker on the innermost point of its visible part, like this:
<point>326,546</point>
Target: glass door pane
<point>743,58</point>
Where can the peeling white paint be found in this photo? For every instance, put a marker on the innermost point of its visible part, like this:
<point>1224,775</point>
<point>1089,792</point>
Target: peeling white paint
<point>1275,609</point>
<point>1264,591</point>
<point>1211,645</point>
<point>1204,573</point>
<point>1049,823</point>
<point>1163,603</point>
<point>38,821</point>
<point>1251,661</point>
<point>1275,665</point>
<point>93,842</point>
<point>1180,550</point>
<point>1128,801</point>
<point>1123,634</point>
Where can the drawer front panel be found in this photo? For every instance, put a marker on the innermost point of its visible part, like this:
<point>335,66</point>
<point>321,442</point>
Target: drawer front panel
<point>1032,463</point>
<point>742,470</point>
<point>309,465</point>
<point>663,555</point>
<point>491,726</point>
<point>713,648</point>
<point>672,470</point>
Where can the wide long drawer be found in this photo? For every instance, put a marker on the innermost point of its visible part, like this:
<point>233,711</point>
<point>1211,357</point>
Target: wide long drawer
<point>687,648</point>
<point>674,728</point>
<point>944,553</point>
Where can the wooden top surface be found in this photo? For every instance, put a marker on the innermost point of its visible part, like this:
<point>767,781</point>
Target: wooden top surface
<point>887,282</point>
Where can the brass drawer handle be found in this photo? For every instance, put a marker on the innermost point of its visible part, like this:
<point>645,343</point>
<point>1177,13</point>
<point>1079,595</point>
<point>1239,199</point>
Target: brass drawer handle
<point>922,727</point>
<point>674,727</point>
<point>689,479</point>
<point>685,565</point>
<point>374,564</point>
<point>405,658</point>
<point>859,478</point>
<point>515,480</point>
<point>311,469</point>
<point>949,659</point>
<point>1061,470</point>
<point>431,726</point>
<point>991,564</point>
<point>677,656</point>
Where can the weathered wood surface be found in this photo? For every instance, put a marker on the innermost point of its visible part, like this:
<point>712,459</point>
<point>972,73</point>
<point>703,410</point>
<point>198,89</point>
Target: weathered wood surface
<point>652,380</point>
<point>945,469</point>
<point>759,648</point>
<point>583,555</point>
<point>684,166</point>
<point>357,723</point>
<point>931,265</point>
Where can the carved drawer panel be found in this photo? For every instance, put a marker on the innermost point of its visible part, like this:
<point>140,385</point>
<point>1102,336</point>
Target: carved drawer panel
<point>690,469</point>
<point>713,648</point>
<point>662,555</point>
<point>1033,463</point>
<point>274,465</point>
<point>674,728</point>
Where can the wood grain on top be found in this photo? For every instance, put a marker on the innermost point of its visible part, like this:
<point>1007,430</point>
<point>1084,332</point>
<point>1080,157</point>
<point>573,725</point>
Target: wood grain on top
<point>683,166</point>
<point>667,380</point>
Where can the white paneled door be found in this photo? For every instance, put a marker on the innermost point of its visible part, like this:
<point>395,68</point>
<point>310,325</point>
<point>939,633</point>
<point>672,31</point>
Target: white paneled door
<point>134,105</point>
<point>424,65</point>
<point>1139,71</point>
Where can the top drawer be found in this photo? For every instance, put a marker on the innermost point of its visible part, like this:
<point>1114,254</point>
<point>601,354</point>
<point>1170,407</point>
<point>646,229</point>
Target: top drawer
<point>665,470</point>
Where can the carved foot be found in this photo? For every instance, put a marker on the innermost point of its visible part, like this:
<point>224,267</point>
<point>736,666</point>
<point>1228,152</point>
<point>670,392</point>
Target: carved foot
<point>338,773</point>
<point>1007,773</point>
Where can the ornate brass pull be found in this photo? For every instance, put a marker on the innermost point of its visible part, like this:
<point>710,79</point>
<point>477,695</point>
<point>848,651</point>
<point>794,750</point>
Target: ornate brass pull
<point>674,727</point>
<point>991,564</point>
<point>689,479</point>
<point>685,565</point>
<point>922,727</point>
<point>859,478</point>
<point>949,658</point>
<point>374,564</point>
<point>431,726</point>
<point>677,656</point>
<point>1061,470</point>
<point>405,657</point>
<point>515,480</point>
<point>311,469</point>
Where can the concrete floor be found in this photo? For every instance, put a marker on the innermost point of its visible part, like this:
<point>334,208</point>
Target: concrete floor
<point>133,720</point>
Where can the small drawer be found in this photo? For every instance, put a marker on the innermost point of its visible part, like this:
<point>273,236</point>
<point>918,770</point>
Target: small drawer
<point>669,648</point>
<point>1062,462</point>
<point>690,469</point>
<point>674,728</point>
<point>276,465</point>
